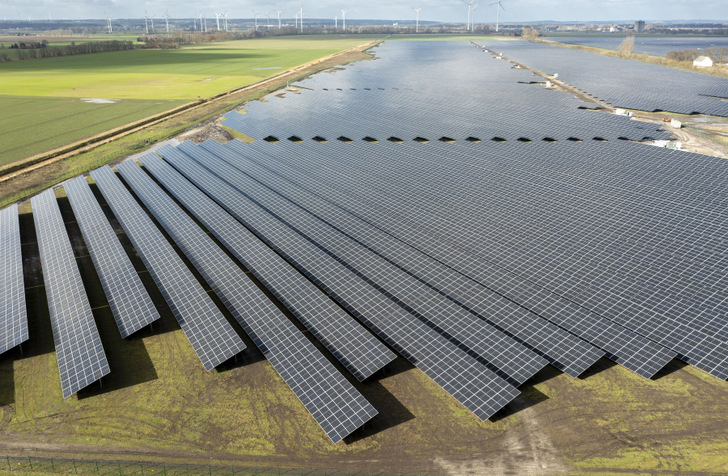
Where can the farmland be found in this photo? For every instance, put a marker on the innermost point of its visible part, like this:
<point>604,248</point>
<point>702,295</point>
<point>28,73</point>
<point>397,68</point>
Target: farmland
<point>47,113</point>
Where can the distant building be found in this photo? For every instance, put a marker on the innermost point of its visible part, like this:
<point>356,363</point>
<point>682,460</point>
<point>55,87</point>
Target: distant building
<point>639,26</point>
<point>702,62</point>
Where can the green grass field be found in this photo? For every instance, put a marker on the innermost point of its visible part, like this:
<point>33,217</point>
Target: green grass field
<point>37,94</point>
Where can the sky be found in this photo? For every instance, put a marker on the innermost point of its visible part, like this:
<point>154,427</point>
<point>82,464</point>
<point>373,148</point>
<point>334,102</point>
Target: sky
<point>432,10</point>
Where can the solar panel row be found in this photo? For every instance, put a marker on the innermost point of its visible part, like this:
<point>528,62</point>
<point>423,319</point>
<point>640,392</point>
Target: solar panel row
<point>212,337</point>
<point>13,313</point>
<point>130,303</point>
<point>79,352</point>
<point>471,383</point>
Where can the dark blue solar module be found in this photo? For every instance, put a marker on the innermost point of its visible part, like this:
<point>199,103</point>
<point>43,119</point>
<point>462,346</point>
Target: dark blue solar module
<point>79,352</point>
<point>13,313</point>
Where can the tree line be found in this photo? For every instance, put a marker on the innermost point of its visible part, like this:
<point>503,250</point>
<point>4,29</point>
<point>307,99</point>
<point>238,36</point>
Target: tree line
<point>24,51</point>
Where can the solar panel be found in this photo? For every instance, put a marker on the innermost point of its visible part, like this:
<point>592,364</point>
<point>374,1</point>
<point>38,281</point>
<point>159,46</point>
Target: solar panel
<point>129,301</point>
<point>212,337</point>
<point>512,360</point>
<point>13,314</point>
<point>332,177</point>
<point>79,352</point>
<point>335,404</point>
<point>346,339</point>
<point>561,349</point>
<point>471,383</point>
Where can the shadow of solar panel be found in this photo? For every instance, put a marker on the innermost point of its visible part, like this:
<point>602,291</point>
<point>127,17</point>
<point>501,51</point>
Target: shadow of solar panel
<point>129,301</point>
<point>80,355</point>
<point>346,339</point>
<point>335,404</point>
<point>211,336</point>
<point>13,313</point>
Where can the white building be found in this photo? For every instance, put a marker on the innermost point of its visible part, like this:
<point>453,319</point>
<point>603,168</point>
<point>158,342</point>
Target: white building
<point>703,62</point>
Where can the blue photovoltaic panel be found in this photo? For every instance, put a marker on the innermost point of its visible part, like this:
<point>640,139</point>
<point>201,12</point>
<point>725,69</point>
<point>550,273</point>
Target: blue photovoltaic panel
<point>13,314</point>
<point>130,303</point>
<point>479,389</point>
<point>80,355</point>
<point>512,361</point>
<point>212,337</point>
<point>330,175</point>
<point>335,404</point>
<point>563,350</point>
<point>355,347</point>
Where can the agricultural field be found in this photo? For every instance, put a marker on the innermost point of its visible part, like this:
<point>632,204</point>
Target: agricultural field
<point>142,82</point>
<point>243,414</point>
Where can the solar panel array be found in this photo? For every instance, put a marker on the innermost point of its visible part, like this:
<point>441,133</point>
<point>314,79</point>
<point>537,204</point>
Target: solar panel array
<point>79,352</point>
<point>400,96</point>
<point>480,261</point>
<point>459,274</point>
<point>622,82</point>
<point>212,337</point>
<point>471,382</point>
<point>560,348</point>
<point>335,404</point>
<point>130,303</point>
<point>13,313</point>
<point>540,235</point>
<point>359,351</point>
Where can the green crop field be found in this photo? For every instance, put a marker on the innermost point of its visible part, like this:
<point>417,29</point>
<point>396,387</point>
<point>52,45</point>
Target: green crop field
<point>41,100</point>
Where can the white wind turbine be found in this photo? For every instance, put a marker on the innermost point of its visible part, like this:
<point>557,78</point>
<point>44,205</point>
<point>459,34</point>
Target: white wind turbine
<point>224,17</point>
<point>498,8</point>
<point>300,14</point>
<point>278,12</point>
<point>146,22</point>
<point>217,19</point>
<point>343,20</point>
<point>166,20</point>
<point>472,17</point>
<point>417,21</point>
<point>336,22</point>
<point>470,6</point>
<point>108,23</point>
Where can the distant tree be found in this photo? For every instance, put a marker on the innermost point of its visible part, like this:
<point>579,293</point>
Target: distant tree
<point>531,34</point>
<point>626,47</point>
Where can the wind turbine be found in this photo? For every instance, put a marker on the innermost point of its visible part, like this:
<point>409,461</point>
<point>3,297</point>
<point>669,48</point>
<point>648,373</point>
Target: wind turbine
<point>417,21</point>
<point>497,12</point>
<point>278,12</point>
<point>166,20</point>
<point>108,24</point>
<point>217,19</point>
<point>151,21</point>
<point>470,5</point>
<point>300,13</point>
<point>146,22</point>
<point>343,20</point>
<point>336,22</point>
<point>224,17</point>
<point>472,17</point>
<point>255,17</point>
